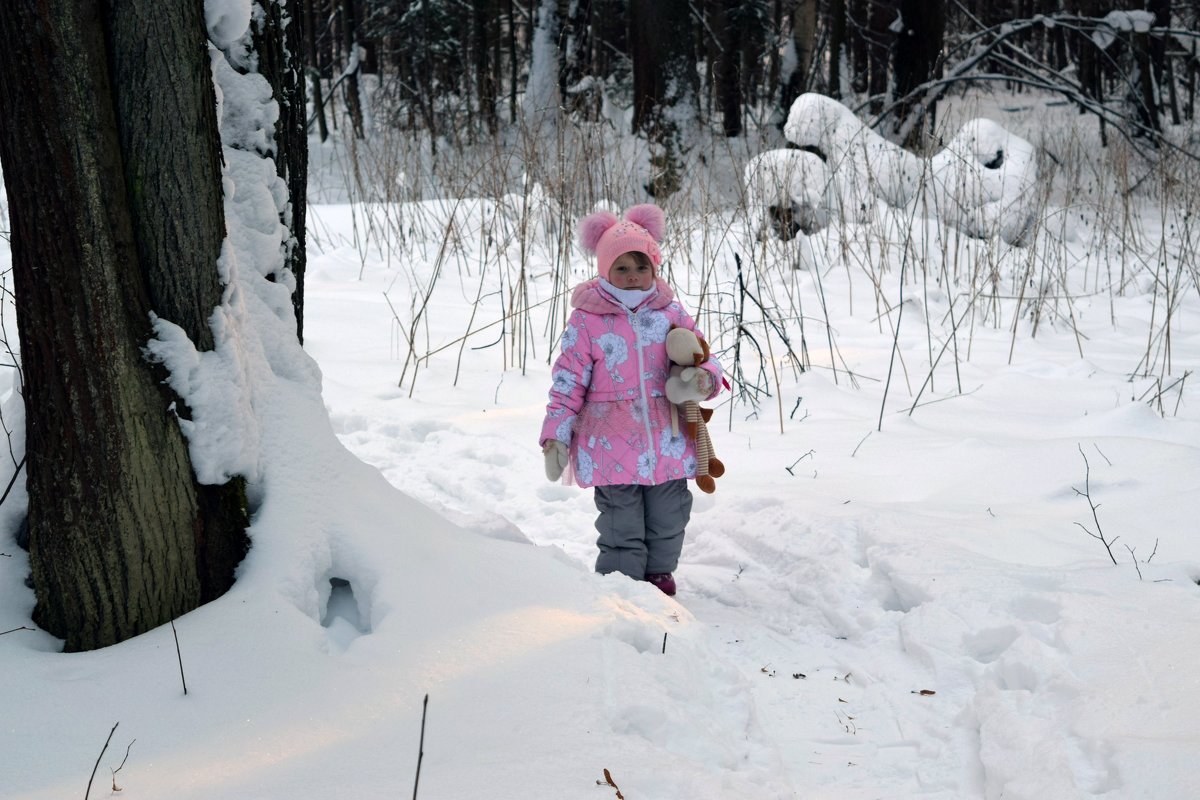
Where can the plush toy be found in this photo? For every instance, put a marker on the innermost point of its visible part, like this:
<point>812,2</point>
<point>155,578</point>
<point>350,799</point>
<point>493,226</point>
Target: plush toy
<point>688,351</point>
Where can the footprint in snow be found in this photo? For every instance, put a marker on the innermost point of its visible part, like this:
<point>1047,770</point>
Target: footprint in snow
<point>344,620</point>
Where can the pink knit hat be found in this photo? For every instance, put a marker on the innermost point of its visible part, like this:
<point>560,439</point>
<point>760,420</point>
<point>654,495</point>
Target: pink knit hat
<point>608,237</point>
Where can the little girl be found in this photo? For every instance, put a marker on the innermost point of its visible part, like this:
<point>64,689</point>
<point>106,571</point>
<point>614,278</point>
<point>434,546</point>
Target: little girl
<point>608,422</point>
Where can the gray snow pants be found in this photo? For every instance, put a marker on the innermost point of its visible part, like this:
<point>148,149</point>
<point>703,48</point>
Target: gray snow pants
<point>641,527</point>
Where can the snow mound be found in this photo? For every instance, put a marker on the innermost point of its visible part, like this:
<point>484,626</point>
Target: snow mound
<point>788,189</point>
<point>864,165</point>
<point>980,183</point>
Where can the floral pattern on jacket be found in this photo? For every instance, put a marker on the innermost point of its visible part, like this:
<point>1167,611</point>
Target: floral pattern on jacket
<point>607,402</point>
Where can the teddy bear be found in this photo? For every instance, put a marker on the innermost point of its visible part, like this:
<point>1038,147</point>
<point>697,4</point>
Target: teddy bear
<point>687,352</point>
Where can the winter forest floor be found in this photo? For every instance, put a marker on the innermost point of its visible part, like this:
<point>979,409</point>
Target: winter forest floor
<point>891,594</point>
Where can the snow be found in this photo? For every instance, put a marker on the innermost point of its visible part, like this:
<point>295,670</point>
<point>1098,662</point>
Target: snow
<point>981,182</point>
<point>891,598</point>
<point>796,180</point>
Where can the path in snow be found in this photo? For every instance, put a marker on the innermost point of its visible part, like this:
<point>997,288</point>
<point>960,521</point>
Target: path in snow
<point>865,645</point>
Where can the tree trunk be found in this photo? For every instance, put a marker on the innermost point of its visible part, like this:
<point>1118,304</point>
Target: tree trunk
<point>314,70</point>
<point>1163,75</point>
<point>728,81</point>
<point>115,201</point>
<point>575,59</point>
<point>485,48</point>
<point>838,59</point>
<point>513,68</point>
<point>917,48</point>
<point>665,104</point>
<point>879,20</point>
<point>277,39</point>
<point>1146,100</point>
<point>350,41</point>
<point>804,42</point>
<point>858,18</point>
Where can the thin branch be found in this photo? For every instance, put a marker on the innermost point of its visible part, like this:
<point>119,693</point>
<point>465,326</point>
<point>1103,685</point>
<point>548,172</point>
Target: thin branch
<point>1133,558</point>
<point>179,656</point>
<point>106,741</point>
<point>1087,494</point>
<point>114,772</point>
<point>14,630</point>
<point>421,746</point>
<point>12,481</point>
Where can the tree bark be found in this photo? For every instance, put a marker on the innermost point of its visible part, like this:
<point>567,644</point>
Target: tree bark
<point>111,159</point>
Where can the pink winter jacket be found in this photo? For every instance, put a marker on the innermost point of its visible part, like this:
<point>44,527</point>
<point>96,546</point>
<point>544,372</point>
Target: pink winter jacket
<point>607,402</point>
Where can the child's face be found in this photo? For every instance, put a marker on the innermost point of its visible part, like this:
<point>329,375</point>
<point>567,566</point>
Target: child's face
<point>630,271</point>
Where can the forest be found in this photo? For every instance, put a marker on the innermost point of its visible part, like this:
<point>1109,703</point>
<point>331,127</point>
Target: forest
<point>461,72</point>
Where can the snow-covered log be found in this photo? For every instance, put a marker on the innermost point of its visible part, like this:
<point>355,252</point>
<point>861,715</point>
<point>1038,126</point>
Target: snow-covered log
<point>786,191</point>
<point>980,183</point>
<point>864,165</point>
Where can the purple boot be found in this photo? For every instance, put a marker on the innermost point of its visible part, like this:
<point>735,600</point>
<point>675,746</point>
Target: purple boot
<point>665,582</point>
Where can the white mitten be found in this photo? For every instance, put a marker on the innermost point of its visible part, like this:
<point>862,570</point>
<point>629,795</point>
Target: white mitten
<point>555,453</point>
<point>689,383</point>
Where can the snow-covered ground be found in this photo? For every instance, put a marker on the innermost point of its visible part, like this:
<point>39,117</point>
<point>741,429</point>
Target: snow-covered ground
<point>874,604</point>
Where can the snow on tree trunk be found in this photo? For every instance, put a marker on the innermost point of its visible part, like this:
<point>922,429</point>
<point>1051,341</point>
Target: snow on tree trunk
<point>278,43</point>
<point>541,101</point>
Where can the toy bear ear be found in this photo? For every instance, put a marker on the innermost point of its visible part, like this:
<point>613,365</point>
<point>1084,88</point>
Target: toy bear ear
<point>593,226</point>
<point>650,217</point>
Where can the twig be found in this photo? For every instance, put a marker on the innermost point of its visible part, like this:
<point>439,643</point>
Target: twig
<point>798,460</point>
<point>896,332</point>
<point>106,741</point>
<point>1087,493</point>
<point>1133,558</point>
<point>664,642</point>
<point>421,746</point>
<point>114,772</point>
<point>14,630</point>
<point>179,656</point>
<point>12,481</point>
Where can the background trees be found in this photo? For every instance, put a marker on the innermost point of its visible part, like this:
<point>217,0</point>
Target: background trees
<point>456,69</point>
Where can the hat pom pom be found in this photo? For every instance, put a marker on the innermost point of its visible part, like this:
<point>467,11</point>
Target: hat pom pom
<point>593,226</point>
<point>650,217</point>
